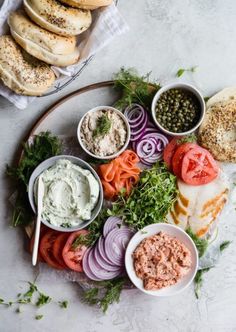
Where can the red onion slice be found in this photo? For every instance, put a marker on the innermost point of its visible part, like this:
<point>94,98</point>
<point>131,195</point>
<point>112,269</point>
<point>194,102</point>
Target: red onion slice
<point>151,125</point>
<point>86,267</point>
<point>138,129</point>
<point>151,130</point>
<point>102,263</point>
<point>137,137</point>
<point>101,248</point>
<point>138,122</point>
<point>111,223</point>
<point>145,148</point>
<point>157,136</point>
<point>99,272</point>
<point>134,113</point>
<point>116,243</point>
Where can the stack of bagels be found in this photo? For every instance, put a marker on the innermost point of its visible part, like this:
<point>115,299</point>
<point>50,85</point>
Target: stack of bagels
<point>43,33</point>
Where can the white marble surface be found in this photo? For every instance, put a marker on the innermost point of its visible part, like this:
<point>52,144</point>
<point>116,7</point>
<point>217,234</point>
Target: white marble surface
<point>164,35</point>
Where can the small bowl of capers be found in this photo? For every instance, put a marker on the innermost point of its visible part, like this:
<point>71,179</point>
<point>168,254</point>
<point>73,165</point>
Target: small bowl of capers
<point>178,109</point>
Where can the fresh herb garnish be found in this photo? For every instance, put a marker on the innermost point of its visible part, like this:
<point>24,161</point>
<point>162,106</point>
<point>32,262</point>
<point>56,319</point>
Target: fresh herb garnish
<point>103,126</point>
<point>198,281</point>
<point>192,138</point>
<point>33,288</point>
<point>32,297</point>
<point>42,300</point>
<point>94,231</point>
<point>181,71</point>
<point>150,200</point>
<point>134,88</point>
<point>108,294</point>
<point>95,161</point>
<point>201,244</point>
<point>24,301</point>
<point>66,225</point>
<point>44,146</point>
<point>224,245</point>
<point>63,304</point>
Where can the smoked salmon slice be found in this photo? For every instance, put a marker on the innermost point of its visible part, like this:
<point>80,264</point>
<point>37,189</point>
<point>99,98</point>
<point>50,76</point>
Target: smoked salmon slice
<point>122,172</point>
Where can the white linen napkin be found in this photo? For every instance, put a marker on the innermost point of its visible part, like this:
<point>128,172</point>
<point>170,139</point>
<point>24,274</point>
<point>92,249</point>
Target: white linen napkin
<point>107,24</point>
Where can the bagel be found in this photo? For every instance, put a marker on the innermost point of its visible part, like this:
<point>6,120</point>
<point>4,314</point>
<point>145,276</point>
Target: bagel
<point>218,130</point>
<point>42,44</point>
<point>54,17</point>
<point>21,72</point>
<point>226,94</point>
<point>87,4</point>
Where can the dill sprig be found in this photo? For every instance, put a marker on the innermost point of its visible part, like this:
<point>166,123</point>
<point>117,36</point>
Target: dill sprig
<point>103,296</point>
<point>103,126</point>
<point>134,88</point>
<point>201,244</point>
<point>198,280</point>
<point>44,146</point>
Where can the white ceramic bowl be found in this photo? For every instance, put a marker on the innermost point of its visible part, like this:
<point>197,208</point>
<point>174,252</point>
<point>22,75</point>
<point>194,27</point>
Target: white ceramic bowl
<point>182,86</point>
<point>49,163</point>
<point>173,231</point>
<point>127,138</point>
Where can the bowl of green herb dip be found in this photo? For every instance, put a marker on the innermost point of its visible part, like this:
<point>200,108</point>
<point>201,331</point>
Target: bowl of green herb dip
<point>73,194</point>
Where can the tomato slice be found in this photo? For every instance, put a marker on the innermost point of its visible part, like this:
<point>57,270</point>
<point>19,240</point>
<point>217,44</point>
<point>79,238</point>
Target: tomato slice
<point>57,248</point>
<point>199,167</point>
<point>169,151</point>
<point>73,256</point>
<point>45,249</point>
<point>179,155</point>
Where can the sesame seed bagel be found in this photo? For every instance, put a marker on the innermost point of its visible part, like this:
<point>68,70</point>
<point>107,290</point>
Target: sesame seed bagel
<point>53,16</point>
<point>42,44</point>
<point>218,130</point>
<point>87,4</point>
<point>21,72</point>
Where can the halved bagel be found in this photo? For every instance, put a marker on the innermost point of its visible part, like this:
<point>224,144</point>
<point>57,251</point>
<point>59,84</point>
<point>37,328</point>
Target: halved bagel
<point>21,72</point>
<point>53,16</point>
<point>87,4</point>
<point>42,44</point>
<point>218,130</point>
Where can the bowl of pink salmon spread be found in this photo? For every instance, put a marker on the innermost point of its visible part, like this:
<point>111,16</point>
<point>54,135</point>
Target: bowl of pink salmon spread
<point>161,260</point>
